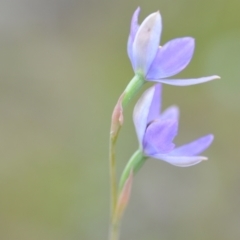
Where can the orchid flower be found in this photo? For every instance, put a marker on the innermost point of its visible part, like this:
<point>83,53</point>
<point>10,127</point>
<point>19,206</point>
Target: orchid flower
<point>156,132</point>
<point>156,63</point>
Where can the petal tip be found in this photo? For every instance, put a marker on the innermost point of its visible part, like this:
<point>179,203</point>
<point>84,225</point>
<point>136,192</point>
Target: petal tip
<point>215,77</point>
<point>156,16</point>
<point>189,39</point>
<point>209,139</point>
<point>138,9</point>
<point>211,136</point>
<point>192,40</point>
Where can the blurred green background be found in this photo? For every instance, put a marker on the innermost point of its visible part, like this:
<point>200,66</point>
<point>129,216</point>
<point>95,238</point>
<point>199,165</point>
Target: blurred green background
<point>63,64</point>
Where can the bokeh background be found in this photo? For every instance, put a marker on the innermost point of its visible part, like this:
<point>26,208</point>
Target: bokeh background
<point>63,64</point>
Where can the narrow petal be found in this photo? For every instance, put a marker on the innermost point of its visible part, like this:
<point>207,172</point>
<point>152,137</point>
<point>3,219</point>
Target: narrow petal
<point>194,148</point>
<point>170,113</point>
<point>180,161</point>
<point>155,106</point>
<point>146,43</point>
<point>172,58</point>
<point>186,82</point>
<point>159,136</point>
<point>141,111</point>
<point>133,31</point>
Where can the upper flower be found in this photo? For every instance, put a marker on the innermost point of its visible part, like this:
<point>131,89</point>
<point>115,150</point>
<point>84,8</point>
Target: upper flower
<point>154,62</point>
<point>156,132</point>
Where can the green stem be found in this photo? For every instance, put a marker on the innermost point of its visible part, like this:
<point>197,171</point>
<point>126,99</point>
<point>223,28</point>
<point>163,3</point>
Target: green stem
<point>113,179</point>
<point>132,88</point>
<point>134,164</point>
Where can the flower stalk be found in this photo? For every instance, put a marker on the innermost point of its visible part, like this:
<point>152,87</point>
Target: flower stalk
<point>122,202</point>
<point>114,231</point>
<point>117,121</point>
<point>132,88</point>
<point>134,164</point>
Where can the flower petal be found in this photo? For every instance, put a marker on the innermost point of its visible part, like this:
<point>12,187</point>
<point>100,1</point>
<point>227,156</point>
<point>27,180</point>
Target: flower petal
<point>172,58</point>
<point>146,43</point>
<point>155,107</point>
<point>170,113</point>
<point>193,148</point>
<point>141,111</point>
<point>186,82</point>
<point>133,31</point>
<point>159,136</point>
<point>180,161</point>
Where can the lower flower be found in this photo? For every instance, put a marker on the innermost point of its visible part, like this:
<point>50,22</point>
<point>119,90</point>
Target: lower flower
<point>156,132</point>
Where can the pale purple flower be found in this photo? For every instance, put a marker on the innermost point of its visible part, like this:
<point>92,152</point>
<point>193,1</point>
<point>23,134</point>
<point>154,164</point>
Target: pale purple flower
<point>157,63</point>
<point>156,132</point>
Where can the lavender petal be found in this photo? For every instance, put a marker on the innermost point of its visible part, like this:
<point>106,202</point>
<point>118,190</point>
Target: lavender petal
<point>172,58</point>
<point>159,136</point>
<point>146,43</point>
<point>141,111</point>
<point>133,31</point>
<point>155,106</point>
<point>194,148</point>
<point>171,112</point>
<point>180,161</point>
<point>186,82</point>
